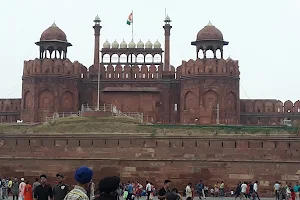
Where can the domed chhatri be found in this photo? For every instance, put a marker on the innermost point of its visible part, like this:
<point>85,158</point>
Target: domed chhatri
<point>115,45</point>
<point>210,32</point>
<point>140,45</point>
<point>123,45</point>
<point>53,33</point>
<point>131,45</point>
<point>157,45</point>
<point>148,45</point>
<point>97,19</point>
<point>106,45</point>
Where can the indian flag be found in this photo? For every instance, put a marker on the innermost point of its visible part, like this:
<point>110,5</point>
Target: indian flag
<point>129,20</point>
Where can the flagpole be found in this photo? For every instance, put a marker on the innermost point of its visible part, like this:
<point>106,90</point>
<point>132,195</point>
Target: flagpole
<point>132,26</point>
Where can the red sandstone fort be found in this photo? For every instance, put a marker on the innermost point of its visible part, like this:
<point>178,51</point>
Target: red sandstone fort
<point>138,77</point>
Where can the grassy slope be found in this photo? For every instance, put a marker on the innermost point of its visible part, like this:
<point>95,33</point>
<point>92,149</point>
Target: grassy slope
<point>124,125</point>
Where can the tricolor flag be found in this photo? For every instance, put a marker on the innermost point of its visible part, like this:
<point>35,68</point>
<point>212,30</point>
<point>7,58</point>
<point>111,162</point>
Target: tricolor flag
<point>129,20</point>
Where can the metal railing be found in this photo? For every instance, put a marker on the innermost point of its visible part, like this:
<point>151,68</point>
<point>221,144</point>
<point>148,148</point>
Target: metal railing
<point>113,109</point>
<point>103,108</point>
<point>62,115</point>
<point>134,115</point>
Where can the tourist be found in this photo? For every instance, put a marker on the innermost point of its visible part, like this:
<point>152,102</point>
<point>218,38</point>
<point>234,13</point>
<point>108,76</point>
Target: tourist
<point>255,190</point>
<point>205,190</point>
<point>217,189</point>
<point>1,188</point>
<point>152,192</point>
<point>4,188</point>
<point>188,190</point>
<point>134,189</point>
<point>129,190</point>
<point>293,194</point>
<point>28,191</point>
<point>44,190</point>
<point>247,195</point>
<point>148,189</point>
<point>15,189</point>
<point>22,189</point>
<point>9,186</point>
<point>60,190</point>
<point>296,189</point>
<point>108,188</point>
<point>174,195</point>
<point>164,191</point>
<point>91,190</point>
<point>138,190</point>
<point>288,193</point>
<point>222,188</point>
<point>212,192</point>
<point>35,184</point>
<point>238,191</point>
<point>243,190</point>
<point>277,190</point>
<point>200,189</point>
<point>251,188</point>
<point>83,176</point>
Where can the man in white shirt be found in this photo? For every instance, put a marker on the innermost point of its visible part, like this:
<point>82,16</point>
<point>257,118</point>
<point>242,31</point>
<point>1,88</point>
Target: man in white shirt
<point>188,190</point>
<point>243,190</point>
<point>277,188</point>
<point>255,189</point>
<point>148,190</point>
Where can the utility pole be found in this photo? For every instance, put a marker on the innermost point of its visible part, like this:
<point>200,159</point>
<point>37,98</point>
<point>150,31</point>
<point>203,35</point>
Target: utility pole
<point>218,113</point>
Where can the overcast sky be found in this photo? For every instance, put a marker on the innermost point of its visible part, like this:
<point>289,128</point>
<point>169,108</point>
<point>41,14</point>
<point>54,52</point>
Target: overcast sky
<point>264,35</point>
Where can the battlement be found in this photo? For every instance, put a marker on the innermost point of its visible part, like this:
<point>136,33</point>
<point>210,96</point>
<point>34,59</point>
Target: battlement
<point>130,72</point>
<point>209,66</point>
<point>54,67</point>
<point>269,106</point>
<point>10,110</point>
<point>10,105</point>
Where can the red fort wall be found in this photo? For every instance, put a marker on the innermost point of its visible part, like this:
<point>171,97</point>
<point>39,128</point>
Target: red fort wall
<point>232,159</point>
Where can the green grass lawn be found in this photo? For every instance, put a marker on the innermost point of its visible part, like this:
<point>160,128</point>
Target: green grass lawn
<point>125,125</point>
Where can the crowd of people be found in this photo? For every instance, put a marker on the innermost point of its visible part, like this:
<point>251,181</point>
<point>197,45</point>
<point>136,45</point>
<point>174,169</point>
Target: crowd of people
<point>110,189</point>
<point>286,191</point>
<point>41,189</point>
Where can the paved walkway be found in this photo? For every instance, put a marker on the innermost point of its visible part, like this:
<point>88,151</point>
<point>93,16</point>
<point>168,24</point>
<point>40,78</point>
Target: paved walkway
<point>208,198</point>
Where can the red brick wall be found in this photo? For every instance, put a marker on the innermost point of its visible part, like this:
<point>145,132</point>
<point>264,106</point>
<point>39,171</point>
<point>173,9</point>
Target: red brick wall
<point>10,110</point>
<point>155,158</point>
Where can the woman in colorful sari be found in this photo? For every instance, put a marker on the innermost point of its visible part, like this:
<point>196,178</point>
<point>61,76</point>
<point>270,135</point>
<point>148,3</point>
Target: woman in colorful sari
<point>28,191</point>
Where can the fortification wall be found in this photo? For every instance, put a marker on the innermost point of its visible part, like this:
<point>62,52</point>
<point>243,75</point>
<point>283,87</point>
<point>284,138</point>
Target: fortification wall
<point>10,110</point>
<point>142,158</point>
<point>269,111</point>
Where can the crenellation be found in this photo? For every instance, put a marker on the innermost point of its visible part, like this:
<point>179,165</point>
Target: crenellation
<point>54,67</point>
<point>268,111</point>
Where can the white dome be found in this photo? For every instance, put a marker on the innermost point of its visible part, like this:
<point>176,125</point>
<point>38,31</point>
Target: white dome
<point>148,45</point>
<point>115,45</point>
<point>157,45</point>
<point>106,45</point>
<point>123,45</point>
<point>140,44</point>
<point>131,45</point>
<point>97,18</point>
<point>167,19</point>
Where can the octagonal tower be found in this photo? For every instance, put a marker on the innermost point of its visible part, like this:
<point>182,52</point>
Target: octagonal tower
<point>51,82</point>
<point>209,85</point>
